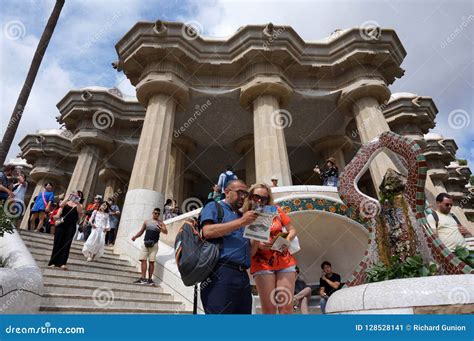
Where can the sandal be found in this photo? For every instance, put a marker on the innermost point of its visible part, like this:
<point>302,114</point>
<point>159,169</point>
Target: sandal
<point>64,267</point>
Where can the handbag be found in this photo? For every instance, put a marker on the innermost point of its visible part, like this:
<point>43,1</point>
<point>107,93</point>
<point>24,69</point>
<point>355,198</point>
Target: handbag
<point>59,221</point>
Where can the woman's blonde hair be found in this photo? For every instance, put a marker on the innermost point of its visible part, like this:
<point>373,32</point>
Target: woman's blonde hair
<point>248,206</point>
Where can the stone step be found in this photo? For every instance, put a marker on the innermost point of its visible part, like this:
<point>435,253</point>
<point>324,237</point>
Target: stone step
<point>47,249</point>
<point>50,237</point>
<point>97,310</point>
<point>107,298</point>
<point>90,267</point>
<point>74,272</point>
<point>32,243</point>
<point>81,260</point>
<point>90,290</point>
<point>68,277</point>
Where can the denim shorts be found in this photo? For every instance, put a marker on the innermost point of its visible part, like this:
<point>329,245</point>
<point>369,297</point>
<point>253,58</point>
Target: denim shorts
<point>270,272</point>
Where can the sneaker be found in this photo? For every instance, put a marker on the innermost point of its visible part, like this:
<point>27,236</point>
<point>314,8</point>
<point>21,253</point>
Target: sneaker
<point>150,282</point>
<point>141,281</point>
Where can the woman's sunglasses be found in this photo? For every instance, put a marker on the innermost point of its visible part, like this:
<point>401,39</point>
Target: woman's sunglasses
<point>256,197</point>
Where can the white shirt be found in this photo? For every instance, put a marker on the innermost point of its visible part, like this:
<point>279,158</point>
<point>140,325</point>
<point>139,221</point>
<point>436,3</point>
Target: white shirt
<point>20,191</point>
<point>448,231</point>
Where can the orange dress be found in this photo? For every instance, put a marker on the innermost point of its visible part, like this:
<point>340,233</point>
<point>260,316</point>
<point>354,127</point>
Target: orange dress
<point>272,259</point>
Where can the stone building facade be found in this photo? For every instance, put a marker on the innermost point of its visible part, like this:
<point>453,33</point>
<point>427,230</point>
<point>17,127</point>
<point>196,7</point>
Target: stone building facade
<point>263,100</point>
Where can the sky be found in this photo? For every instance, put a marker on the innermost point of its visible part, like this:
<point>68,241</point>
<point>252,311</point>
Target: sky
<point>437,35</point>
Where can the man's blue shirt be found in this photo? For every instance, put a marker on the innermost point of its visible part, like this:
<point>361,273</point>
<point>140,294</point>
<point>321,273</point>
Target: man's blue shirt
<point>236,248</point>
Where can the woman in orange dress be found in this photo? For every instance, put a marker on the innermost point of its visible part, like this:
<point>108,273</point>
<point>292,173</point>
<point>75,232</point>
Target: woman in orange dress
<point>274,271</point>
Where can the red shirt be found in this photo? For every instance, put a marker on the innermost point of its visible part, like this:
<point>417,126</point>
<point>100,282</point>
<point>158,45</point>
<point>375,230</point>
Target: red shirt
<point>272,259</point>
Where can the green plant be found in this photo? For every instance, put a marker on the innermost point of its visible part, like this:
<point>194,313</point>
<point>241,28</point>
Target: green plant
<point>411,267</point>
<point>462,162</point>
<point>471,180</point>
<point>463,254</point>
<point>7,225</point>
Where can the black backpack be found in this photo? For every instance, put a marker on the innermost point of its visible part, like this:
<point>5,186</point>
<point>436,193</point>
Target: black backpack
<point>151,237</point>
<point>195,256</point>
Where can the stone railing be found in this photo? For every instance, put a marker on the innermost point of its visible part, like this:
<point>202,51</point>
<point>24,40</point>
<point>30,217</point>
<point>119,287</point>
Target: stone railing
<point>21,281</point>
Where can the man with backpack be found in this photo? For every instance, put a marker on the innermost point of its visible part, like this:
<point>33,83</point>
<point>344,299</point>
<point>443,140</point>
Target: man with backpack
<point>446,225</point>
<point>228,290</point>
<point>224,179</point>
<point>152,228</point>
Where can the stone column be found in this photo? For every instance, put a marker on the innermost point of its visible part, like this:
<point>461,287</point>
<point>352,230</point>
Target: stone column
<point>178,176</point>
<point>40,182</point>
<point>362,98</point>
<point>171,172</point>
<point>159,94</point>
<point>371,123</point>
<point>86,171</point>
<point>179,149</point>
<point>332,146</point>
<point>266,95</point>
<point>114,180</point>
<point>245,147</point>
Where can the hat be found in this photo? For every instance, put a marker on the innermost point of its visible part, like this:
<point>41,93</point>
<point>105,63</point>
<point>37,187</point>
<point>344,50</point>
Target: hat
<point>98,196</point>
<point>274,178</point>
<point>331,159</point>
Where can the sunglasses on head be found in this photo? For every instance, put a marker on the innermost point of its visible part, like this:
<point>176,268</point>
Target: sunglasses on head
<point>256,197</point>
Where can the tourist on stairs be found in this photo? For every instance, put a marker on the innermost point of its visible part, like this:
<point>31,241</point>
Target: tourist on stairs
<point>94,247</point>
<point>152,229</point>
<point>42,206</point>
<point>68,215</point>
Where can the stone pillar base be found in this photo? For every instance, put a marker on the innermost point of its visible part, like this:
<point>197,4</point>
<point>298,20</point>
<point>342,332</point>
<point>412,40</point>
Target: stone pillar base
<point>138,206</point>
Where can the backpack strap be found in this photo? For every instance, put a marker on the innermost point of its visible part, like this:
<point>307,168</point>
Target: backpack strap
<point>456,219</point>
<point>436,217</point>
<point>220,212</point>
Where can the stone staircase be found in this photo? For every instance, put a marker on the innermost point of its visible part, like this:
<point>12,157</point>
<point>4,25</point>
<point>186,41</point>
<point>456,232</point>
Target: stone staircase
<point>103,286</point>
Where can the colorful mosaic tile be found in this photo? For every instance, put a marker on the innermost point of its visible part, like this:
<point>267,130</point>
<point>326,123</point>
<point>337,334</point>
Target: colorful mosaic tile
<point>413,158</point>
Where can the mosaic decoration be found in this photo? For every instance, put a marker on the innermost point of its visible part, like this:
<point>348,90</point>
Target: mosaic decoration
<point>321,204</point>
<point>369,209</point>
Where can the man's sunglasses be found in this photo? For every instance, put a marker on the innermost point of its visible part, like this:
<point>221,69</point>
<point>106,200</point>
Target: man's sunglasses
<point>156,212</point>
<point>256,197</point>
